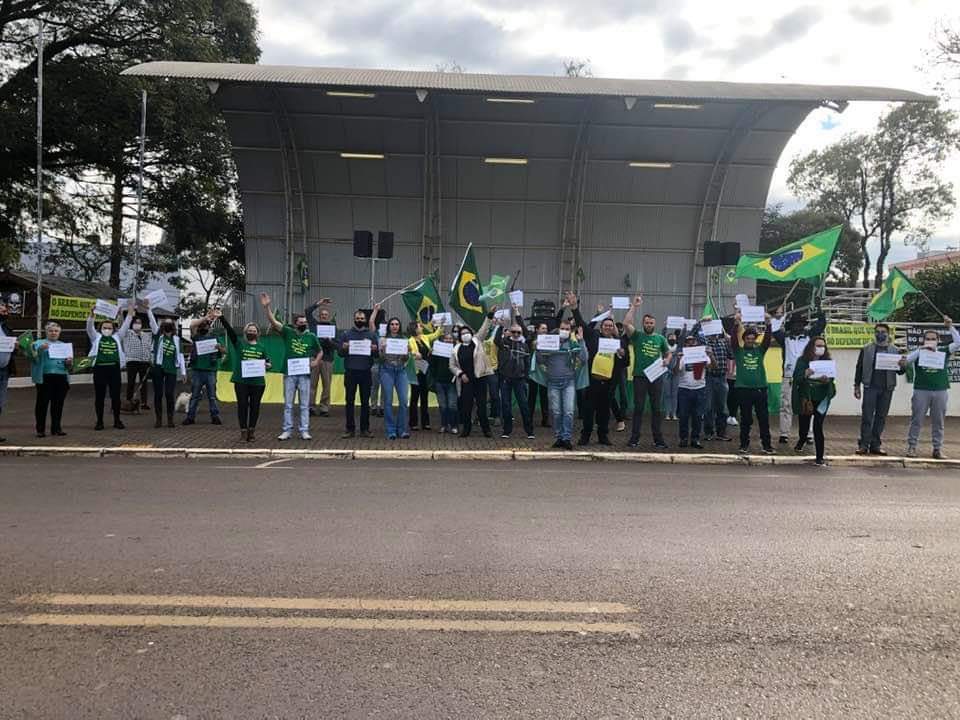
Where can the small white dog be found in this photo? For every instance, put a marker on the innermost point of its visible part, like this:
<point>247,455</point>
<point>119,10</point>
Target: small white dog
<point>182,403</point>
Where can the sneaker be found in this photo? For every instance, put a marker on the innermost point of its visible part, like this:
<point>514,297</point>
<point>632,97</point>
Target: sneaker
<point>709,437</point>
<point>454,431</point>
<point>820,463</point>
<point>313,413</point>
<point>862,451</point>
<point>769,450</point>
<point>323,413</point>
<point>696,445</point>
<point>567,445</point>
<point>391,437</point>
<point>744,449</point>
<point>244,435</point>
<point>661,445</point>
<point>283,436</point>
<point>784,439</point>
<point>60,433</point>
<point>621,426</point>
<point>604,441</point>
<point>732,421</point>
<point>189,421</point>
<point>938,455</point>
<point>405,436</point>
<point>366,434</point>
<point>306,436</point>
<point>216,420</point>
<point>583,441</point>
<point>878,451</point>
<point>531,437</point>
<point>348,434</point>
<point>414,428</point>
<point>251,435</point>
<point>798,448</point>
<point>558,443</point>
<point>633,443</point>
<point>911,451</point>
<point>427,428</point>
<point>504,436</point>
<point>442,431</point>
<point>723,438</point>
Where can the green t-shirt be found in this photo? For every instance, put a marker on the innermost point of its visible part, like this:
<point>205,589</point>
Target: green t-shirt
<point>750,370</point>
<point>300,346</point>
<point>647,349</point>
<point>931,379</point>
<point>108,353</point>
<point>168,356</point>
<point>209,361</point>
<point>247,351</point>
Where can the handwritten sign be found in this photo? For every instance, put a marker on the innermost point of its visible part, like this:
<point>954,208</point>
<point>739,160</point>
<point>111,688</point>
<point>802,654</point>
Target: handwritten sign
<point>823,368</point>
<point>157,299</point>
<point>619,302</point>
<point>712,327</point>
<point>516,298</point>
<point>206,347</point>
<point>694,354</point>
<point>741,301</point>
<point>443,319</point>
<point>253,368</point>
<point>105,308</point>
<point>548,342</point>
<point>601,317</point>
<point>397,346</point>
<point>326,331</point>
<point>359,347</point>
<point>887,361</point>
<point>608,345</point>
<point>933,359</point>
<point>654,370</point>
<point>675,322</point>
<point>7,344</point>
<point>298,366</point>
<point>382,329</point>
<point>505,314</point>
<point>60,350</point>
<point>442,349</point>
<point>753,313</point>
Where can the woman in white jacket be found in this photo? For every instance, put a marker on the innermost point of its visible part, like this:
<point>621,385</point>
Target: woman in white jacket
<point>469,364</point>
<point>168,365</point>
<point>108,360</point>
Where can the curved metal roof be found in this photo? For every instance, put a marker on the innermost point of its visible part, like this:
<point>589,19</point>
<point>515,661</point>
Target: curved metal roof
<point>525,84</point>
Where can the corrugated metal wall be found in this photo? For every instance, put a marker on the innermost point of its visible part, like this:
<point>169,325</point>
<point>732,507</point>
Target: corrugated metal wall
<point>639,225</point>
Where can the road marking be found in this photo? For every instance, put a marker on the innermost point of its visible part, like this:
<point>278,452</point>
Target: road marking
<point>269,464</point>
<point>346,603</point>
<point>317,623</point>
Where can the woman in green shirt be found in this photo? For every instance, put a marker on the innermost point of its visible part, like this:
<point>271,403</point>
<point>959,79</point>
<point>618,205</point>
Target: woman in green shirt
<point>108,359</point>
<point>249,390</point>
<point>811,396</point>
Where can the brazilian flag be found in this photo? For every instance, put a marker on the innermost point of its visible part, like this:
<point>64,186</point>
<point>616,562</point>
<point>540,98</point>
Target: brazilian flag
<point>895,288</point>
<point>806,258</point>
<point>423,301</point>
<point>466,291</point>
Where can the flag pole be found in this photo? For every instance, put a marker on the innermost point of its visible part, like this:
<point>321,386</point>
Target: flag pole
<point>926,297</point>
<point>39,175</point>
<point>143,142</point>
<point>403,289</point>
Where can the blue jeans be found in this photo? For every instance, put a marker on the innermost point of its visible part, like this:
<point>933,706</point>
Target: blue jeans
<point>691,405</point>
<point>395,376</point>
<point>203,379</point>
<point>563,405</point>
<point>715,416</point>
<point>510,388</point>
<point>447,400</point>
<point>294,385</point>
<point>671,384</point>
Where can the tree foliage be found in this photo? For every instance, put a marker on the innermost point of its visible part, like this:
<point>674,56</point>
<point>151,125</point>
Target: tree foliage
<point>886,184</point>
<point>941,283</point>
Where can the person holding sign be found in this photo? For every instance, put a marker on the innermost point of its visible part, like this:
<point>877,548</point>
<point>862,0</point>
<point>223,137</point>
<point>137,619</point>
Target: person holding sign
<point>715,419</point>
<point>535,391</point>
<point>877,368</point>
<point>394,354</point>
<point>470,367</point>
<point>249,387</point>
<point>692,364</point>
<point>649,350</point>
<point>513,360</point>
<point>6,355</point>
<point>607,358</point>
<point>357,371</point>
<point>322,374</point>
<point>420,344</point>
<point>812,393</point>
<point>303,353</point>
<point>138,347</point>
<point>50,372</point>
<point>204,365</point>
<point>560,363</point>
<point>752,382</point>
<point>442,382</point>
<point>168,365</point>
<point>106,351</point>
<point>793,337</point>
<point>931,386</point>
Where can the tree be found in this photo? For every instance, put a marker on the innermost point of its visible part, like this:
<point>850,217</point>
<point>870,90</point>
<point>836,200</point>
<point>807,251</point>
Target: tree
<point>887,183</point>
<point>577,67</point>
<point>941,283</point>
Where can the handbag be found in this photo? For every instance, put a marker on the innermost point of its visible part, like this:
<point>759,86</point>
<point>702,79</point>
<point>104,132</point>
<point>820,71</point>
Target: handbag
<point>602,366</point>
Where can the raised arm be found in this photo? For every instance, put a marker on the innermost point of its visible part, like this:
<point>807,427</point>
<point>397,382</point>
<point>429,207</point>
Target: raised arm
<point>818,326</point>
<point>485,328</point>
<point>767,335</point>
<point>228,328</point>
<point>737,335</point>
<point>628,326</point>
<point>372,320</point>
<point>91,329</point>
<point>274,323</point>
<point>154,325</point>
<point>125,326</point>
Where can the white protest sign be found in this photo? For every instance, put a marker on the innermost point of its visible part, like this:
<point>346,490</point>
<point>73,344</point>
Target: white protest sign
<point>359,347</point>
<point>753,313</point>
<point>712,327</point>
<point>422,366</point>
<point>442,349</point>
<point>253,368</point>
<point>382,329</point>
<point>397,346</point>
<point>599,318</point>
<point>123,302</point>
<point>105,308</point>
<point>654,370</point>
<point>442,319</point>
<point>516,298</point>
<point>504,314</point>
<point>887,361</point>
<point>694,354</point>
<point>933,359</point>
<point>60,350</point>
<point>326,331</point>
<point>157,299</point>
<point>298,366</point>
<point>620,302</point>
<point>608,345</point>
<point>823,368</point>
<point>741,301</point>
<point>675,322</point>
<point>689,323</point>
<point>7,344</point>
<point>206,347</point>
<point>548,342</point>
<point>776,323</point>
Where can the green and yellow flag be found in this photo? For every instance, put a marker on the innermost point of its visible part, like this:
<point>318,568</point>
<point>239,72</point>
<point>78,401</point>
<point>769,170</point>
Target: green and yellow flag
<point>423,300</point>
<point>806,258</point>
<point>495,291</point>
<point>466,291</point>
<point>890,298</point>
<point>709,311</point>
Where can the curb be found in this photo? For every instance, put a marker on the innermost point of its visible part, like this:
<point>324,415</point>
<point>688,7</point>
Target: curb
<point>480,455</point>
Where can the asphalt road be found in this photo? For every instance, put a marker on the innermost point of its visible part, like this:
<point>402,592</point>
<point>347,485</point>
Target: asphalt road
<point>213,589</point>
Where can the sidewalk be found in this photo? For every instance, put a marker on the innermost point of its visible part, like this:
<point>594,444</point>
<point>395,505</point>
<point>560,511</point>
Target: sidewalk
<point>17,425</point>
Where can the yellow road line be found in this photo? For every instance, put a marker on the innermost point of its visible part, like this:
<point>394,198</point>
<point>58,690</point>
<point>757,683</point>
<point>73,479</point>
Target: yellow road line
<point>316,623</point>
<point>347,603</point>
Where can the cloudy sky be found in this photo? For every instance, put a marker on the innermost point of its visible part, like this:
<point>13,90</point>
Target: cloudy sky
<point>865,42</point>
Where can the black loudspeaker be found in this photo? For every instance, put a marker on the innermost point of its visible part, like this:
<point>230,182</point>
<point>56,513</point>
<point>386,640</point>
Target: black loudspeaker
<point>730,253</point>
<point>362,243</point>
<point>384,245</point>
<point>712,256</point>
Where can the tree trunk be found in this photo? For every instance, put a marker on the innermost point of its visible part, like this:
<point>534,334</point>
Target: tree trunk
<point>866,263</point>
<point>116,234</point>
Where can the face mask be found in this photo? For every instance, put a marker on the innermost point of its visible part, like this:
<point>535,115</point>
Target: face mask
<point>564,334</point>
<point>359,324</point>
<point>168,331</point>
<point>251,337</point>
<point>519,339</point>
<point>301,328</point>
<point>671,343</point>
<point>930,344</point>
<point>819,351</point>
<point>106,332</point>
<point>881,337</point>
<point>466,337</point>
<point>136,327</point>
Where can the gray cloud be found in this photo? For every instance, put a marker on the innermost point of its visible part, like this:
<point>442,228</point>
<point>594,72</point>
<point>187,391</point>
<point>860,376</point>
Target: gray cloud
<point>678,35</point>
<point>786,29</point>
<point>677,72</point>
<point>588,15</point>
<point>876,15</point>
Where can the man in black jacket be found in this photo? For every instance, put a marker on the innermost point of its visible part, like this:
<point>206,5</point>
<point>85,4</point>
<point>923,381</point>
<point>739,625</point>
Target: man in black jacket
<point>356,372</point>
<point>513,362</point>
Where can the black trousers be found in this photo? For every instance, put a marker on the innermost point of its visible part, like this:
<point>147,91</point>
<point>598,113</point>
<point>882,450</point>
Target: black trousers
<point>618,387</point>
<point>106,378</point>
<point>248,404</point>
<point>163,388</point>
<point>51,393</point>
<point>818,439</point>
<point>354,380</point>
<point>754,400</point>
<point>596,408</point>
<point>474,392</point>
<point>137,371</point>
<point>733,402</point>
<point>534,390</point>
<point>420,395</point>
<point>642,389</point>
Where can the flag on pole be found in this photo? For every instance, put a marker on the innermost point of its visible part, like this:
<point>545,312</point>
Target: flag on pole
<point>806,258</point>
<point>709,311</point>
<point>423,300</point>
<point>466,291</point>
<point>890,298</point>
<point>495,291</point>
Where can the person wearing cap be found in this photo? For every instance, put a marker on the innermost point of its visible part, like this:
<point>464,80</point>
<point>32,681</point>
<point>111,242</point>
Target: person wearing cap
<point>692,392</point>
<point>752,382</point>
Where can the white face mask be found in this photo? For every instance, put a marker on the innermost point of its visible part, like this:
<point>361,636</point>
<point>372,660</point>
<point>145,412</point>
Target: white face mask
<point>466,337</point>
<point>106,332</point>
<point>136,327</point>
<point>564,334</point>
<point>818,351</point>
<point>931,344</point>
